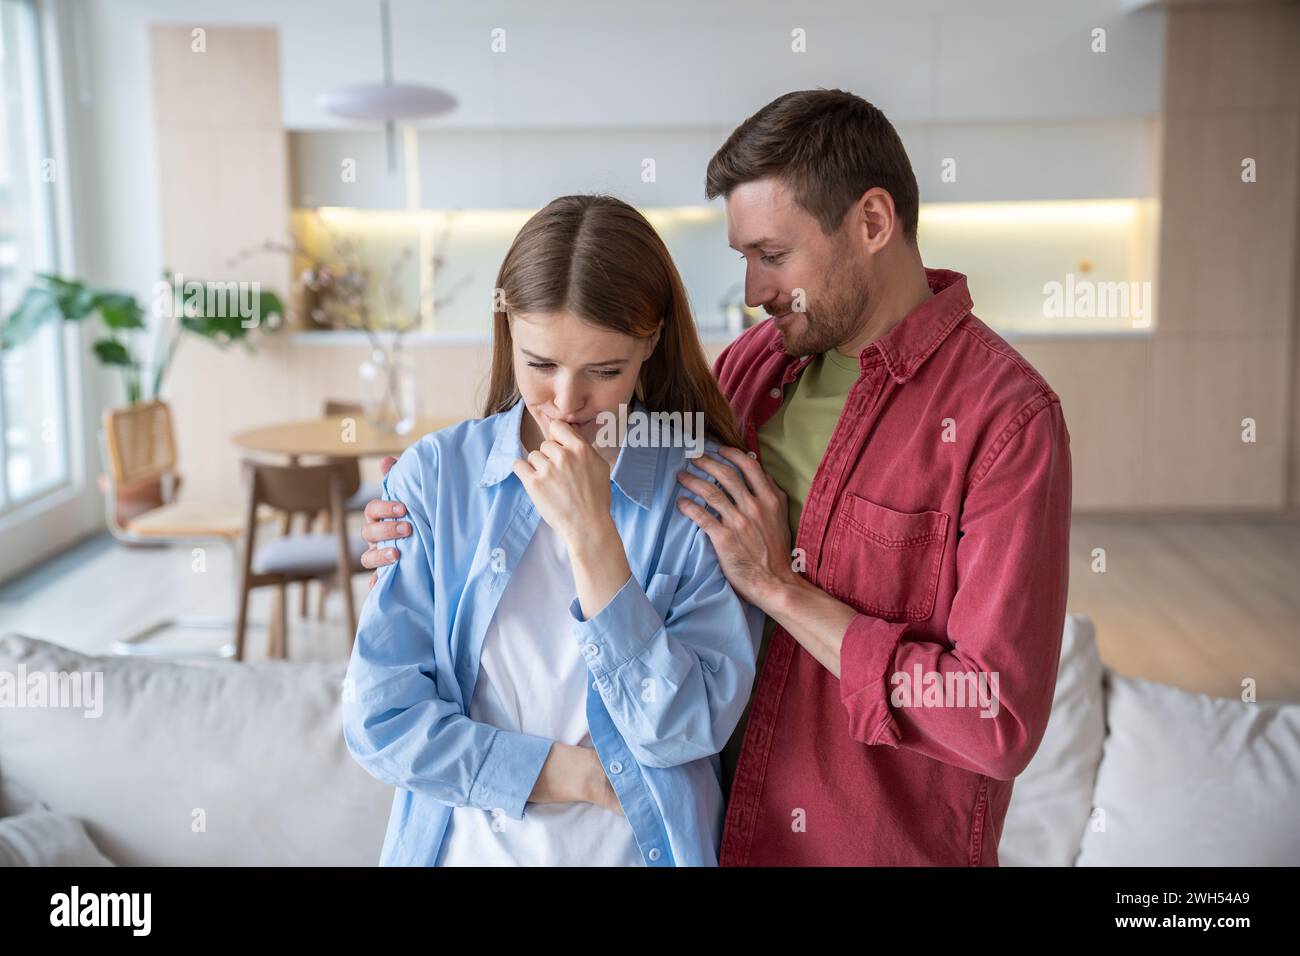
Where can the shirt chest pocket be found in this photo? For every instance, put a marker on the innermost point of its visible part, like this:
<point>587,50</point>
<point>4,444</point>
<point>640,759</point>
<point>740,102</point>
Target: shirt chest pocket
<point>886,563</point>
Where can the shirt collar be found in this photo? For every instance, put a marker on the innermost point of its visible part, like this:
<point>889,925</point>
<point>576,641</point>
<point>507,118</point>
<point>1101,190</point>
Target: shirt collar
<point>634,470</point>
<point>908,344</point>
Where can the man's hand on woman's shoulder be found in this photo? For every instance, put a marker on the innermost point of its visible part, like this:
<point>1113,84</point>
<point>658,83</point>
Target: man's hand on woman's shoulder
<point>380,526</point>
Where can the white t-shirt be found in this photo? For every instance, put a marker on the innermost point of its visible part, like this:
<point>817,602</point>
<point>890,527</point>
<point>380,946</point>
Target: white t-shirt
<point>533,680</point>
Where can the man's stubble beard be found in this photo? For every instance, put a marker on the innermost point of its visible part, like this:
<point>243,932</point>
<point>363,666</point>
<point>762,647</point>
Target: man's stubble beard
<point>833,317</point>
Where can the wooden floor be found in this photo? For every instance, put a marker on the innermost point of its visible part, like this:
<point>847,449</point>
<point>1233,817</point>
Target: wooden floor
<point>1197,604</point>
<point>99,592</point>
<point>1200,604</point>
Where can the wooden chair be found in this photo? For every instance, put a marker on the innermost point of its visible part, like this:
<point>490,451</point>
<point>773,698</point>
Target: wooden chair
<point>365,490</point>
<point>298,557</point>
<point>139,450</point>
<point>355,503</point>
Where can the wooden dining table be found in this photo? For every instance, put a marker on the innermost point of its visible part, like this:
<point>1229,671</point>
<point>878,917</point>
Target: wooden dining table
<point>333,436</point>
<point>336,436</point>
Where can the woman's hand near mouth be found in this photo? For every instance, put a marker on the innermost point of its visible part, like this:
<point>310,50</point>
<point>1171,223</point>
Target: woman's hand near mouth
<point>568,482</point>
<point>578,427</point>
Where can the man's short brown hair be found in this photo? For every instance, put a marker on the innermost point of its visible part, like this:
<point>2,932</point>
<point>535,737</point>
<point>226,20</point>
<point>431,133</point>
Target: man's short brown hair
<point>829,147</point>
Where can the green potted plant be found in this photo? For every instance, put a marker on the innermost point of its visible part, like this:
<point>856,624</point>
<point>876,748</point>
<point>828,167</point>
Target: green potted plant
<point>179,306</point>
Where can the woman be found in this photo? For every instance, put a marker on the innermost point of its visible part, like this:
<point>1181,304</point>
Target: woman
<point>549,670</point>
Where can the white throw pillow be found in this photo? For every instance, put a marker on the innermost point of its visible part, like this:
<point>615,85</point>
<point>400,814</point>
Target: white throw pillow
<point>15,798</point>
<point>1192,780</point>
<point>1052,799</point>
<point>42,838</point>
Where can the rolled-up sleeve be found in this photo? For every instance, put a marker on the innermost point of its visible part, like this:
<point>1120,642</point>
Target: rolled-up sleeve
<point>402,720</point>
<point>1005,624</point>
<point>674,683</point>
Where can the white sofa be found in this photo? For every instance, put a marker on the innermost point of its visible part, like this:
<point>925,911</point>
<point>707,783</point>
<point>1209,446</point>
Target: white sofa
<point>225,764</point>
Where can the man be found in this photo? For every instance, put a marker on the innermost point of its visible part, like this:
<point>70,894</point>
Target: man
<point>921,469</point>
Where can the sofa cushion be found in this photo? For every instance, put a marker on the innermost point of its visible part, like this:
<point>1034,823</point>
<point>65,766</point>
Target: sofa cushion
<point>43,838</point>
<point>195,764</point>
<point>1192,780</point>
<point>1052,799</point>
<point>16,798</point>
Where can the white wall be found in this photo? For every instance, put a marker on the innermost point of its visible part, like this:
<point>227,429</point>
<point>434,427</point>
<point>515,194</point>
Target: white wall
<point>1099,158</point>
<point>670,65</point>
<point>684,62</point>
<point>673,65</point>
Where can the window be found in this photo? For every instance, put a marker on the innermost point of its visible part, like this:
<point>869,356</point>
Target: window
<point>33,414</point>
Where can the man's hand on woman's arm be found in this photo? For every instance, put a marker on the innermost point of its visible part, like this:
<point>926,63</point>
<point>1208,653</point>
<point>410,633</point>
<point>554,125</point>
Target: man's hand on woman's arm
<point>382,524</point>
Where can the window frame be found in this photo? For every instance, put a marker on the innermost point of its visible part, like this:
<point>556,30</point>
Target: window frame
<point>38,125</point>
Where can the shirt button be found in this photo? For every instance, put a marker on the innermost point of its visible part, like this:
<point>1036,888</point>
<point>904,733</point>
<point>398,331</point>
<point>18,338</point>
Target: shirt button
<point>654,854</point>
<point>591,650</point>
<point>615,767</point>
<point>775,393</point>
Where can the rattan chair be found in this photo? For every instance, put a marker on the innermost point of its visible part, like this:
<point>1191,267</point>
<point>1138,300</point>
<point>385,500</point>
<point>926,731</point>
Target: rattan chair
<point>139,450</point>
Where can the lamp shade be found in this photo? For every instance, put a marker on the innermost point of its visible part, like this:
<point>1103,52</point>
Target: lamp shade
<point>386,101</point>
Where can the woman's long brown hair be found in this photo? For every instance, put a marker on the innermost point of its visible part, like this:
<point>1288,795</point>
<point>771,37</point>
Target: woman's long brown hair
<point>599,258</point>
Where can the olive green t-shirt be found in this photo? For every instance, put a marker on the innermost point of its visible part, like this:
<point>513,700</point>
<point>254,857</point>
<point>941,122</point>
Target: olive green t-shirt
<point>790,445</point>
